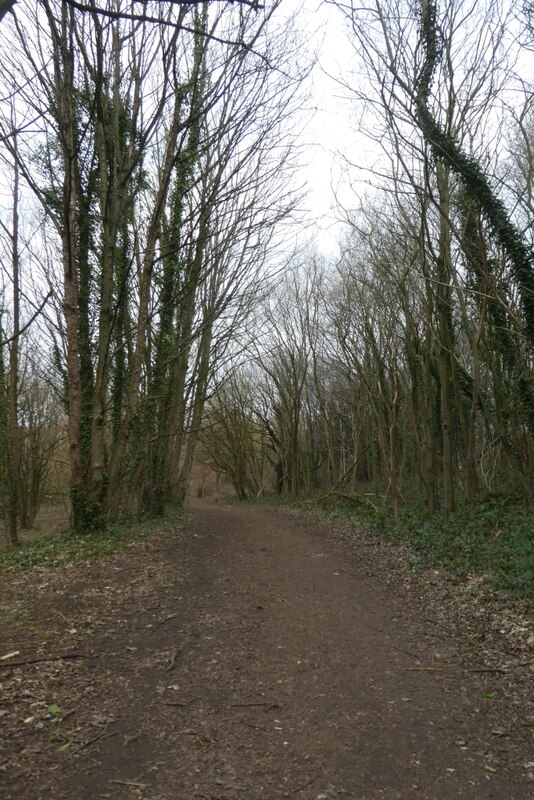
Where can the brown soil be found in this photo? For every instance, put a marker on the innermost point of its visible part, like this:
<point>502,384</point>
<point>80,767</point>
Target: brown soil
<point>258,655</point>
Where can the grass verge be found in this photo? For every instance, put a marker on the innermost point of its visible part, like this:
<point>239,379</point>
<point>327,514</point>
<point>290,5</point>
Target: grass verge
<point>66,549</point>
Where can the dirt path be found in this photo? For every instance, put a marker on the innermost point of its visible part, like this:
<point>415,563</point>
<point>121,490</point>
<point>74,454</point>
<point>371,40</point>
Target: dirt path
<point>258,656</point>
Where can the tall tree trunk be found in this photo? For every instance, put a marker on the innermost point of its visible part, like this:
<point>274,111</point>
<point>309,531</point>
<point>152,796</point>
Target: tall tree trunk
<point>444,311</point>
<point>82,517</point>
<point>13,445</point>
<point>180,489</point>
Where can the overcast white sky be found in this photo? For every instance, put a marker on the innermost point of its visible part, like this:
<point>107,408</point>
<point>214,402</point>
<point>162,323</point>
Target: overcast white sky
<point>329,132</point>
<point>333,130</point>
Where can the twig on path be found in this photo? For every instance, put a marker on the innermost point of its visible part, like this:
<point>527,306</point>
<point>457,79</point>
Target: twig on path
<point>251,705</point>
<point>130,739</point>
<point>423,669</point>
<point>254,727</point>
<point>228,719</point>
<point>441,669</point>
<point>10,655</point>
<point>101,735</point>
<point>166,619</point>
<point>438,635</point>
<point>20,662</point>
<point>130,783</point>
<point>406,652</point>
<point>435,622</point>
<point>172,662</point>
<point>304,785</point>
<point>178,705</point>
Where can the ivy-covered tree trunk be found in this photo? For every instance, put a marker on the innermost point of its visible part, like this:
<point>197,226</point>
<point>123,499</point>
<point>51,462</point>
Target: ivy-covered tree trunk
<point>178,297</point>
<point>445,337</point>
<point>179,485</point>
<point>82,512</point>
<point>4,445</point>
<point>14,443</point>
<point>447,150</point>
<point>132,396</point>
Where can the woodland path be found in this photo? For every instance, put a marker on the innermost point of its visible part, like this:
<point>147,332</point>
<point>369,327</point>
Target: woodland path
<point>257,655</point>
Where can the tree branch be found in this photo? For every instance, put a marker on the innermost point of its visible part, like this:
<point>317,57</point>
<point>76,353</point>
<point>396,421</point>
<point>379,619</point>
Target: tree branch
<point>30,321</point>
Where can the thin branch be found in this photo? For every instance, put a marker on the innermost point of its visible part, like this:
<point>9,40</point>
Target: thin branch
<point>122,15</point>
<point>21,662</point>
<point>30,321</point>
<point>104,12</point>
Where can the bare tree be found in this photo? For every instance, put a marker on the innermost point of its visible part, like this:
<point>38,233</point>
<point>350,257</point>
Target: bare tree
<point>163,190</point>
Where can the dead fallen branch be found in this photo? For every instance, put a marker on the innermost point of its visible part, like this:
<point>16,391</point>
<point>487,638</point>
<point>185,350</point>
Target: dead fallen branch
<point>254,727</point>
<point>172,662</point>
<point>406,652</point>
<point>423,669</point>
<point>10,655</point>
<point>355,498</point>
<point>103,735</point>
<point>129,783</point>
<point>251,705</point>
<point>435,622</point>
<point>499,670</point>
<point>178,705</point>
<point>22,662</point>
<point>166,619</point>
<point>334,489</point>
<point>304,786</point>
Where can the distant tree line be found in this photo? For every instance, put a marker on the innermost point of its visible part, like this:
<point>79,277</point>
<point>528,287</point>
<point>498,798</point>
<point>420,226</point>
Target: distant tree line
<point>405,367</point>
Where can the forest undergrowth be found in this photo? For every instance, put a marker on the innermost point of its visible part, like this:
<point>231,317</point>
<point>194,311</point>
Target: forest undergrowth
<point>72,548</point>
